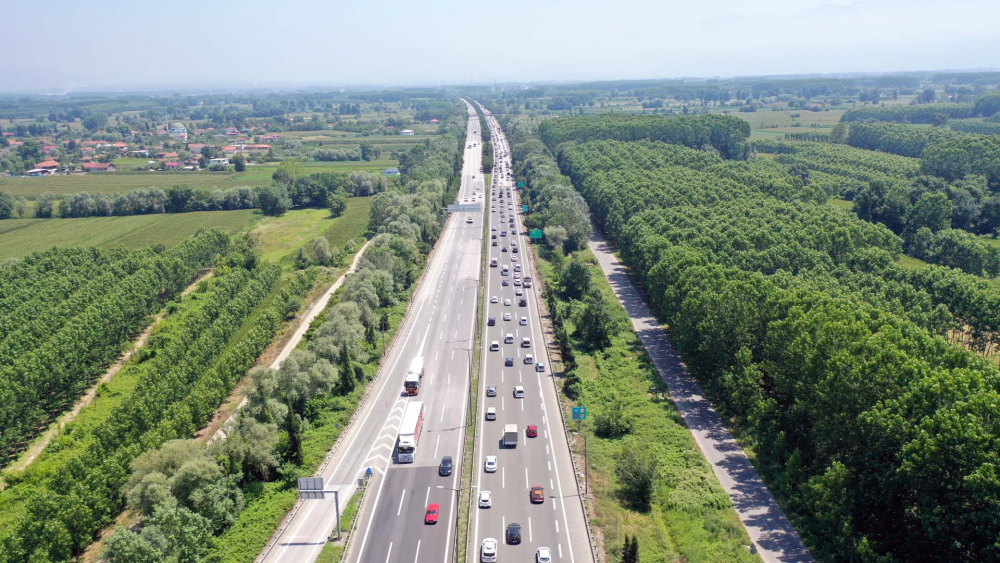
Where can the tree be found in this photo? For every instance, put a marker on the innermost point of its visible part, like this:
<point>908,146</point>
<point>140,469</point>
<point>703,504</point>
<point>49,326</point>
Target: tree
<point>321,250</point>
<point>288,171</point>
<point>239,162</point>
<point>186,535</point>
<point>125,546</point>
<point>7,205</point>
<point>594,323</point>
<point>575,278</point>
<point>337,204</point>
<point>630,550</point>
<point>838,134</point>
<point>274,200</point>
<point>932,210</point>
<point>636,471</point>
<point>555,236</point>
<point>347,380</point>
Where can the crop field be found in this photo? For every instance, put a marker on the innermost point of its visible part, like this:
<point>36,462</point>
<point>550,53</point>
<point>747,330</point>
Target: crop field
<point>21,237</point>
<point>115,182</point>
<point>770,120</point>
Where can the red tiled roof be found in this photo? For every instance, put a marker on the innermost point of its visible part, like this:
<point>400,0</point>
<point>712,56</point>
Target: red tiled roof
<point>47,164</point>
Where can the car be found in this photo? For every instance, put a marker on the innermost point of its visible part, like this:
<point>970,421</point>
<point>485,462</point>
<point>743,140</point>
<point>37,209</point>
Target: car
<point>513,533</point>
<point>518,392</point>
<point>506,316</point>
<point>503,233</point>
<point>494,346</point>
<point>465,199</point>
<point>540,366</point>
<point>493,236</point>
<point>509,362</point>
<point>469,220</point>
<point>504,249</point>
<point>521,302</point>
<point>529,359</point>
<point>494,229</point>
<point>491,391</point>
<point>494,299</point>
<point>513,259</point>
<point>491,413</point>
<point>537,494</point>
<point>491,321</point>
<point>517,268</point>
<point>491,464</point>
<point>525,342</point>
<point>506,302</point>
<point>493,243</point>
<point>543,555</point>
<point>518,291</point>
<point>523,321</point>
<point>517,282</point>
<point>431,517</point>
<point>485,499</point>
<point>509,339</point>
<point>446,466</point>
<point>488,551</point>
<point>505,283</point>
<point>531,431</point>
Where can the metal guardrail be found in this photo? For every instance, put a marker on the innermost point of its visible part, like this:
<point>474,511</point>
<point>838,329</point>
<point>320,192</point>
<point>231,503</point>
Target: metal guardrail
<point>354,525</point>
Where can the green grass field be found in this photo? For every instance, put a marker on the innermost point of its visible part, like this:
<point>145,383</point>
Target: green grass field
<point>20,237</point>
<point>281,237</point>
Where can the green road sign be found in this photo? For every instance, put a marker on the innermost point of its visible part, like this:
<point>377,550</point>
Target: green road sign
<point>535,234</point>
<point>520,185</point>
<point>579,413</point>
<point>525,208</point>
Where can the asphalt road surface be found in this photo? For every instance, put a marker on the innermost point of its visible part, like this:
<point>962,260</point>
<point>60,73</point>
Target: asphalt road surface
<point>558,522</point>
<point>440,328</point>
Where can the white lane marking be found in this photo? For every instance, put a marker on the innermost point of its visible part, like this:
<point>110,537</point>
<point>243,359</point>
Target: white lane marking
<point>436,444</point>
<point>549,462</point>
<point>428,497</point>
<point>529,530</point>
<point>387,555</point>
<point>522,406</point>
<point>416,556</point>
<point>401,497</point>
<point>560,551</point>
<point>443,409</point>
<point>551,486</point>
<point>501,403</point>
<point>431,382</point>
<point>526,485</point>
<point>503,477</point>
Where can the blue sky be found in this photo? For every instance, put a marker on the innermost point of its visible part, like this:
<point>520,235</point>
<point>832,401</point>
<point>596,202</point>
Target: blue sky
<point>68,45</point>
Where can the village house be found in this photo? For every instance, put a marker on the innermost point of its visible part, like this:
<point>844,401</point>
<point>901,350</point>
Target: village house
<point>273,137</point>
<point>172,165</point>
<point>407,132</point>
<point>47,165</point>
<point>99,167</point>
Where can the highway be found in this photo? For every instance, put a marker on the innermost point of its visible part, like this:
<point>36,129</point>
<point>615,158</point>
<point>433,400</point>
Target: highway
<point>558,522</point>
<point>440,327</point>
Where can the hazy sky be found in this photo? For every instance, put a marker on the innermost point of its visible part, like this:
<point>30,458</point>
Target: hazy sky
<point>69,45</point>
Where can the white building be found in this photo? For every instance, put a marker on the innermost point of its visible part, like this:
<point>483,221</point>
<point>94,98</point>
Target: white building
<point>222,161</point>
<point>178,132</point>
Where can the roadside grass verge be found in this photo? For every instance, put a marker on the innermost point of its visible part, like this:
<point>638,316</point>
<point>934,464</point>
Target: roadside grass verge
<point>690,518</point>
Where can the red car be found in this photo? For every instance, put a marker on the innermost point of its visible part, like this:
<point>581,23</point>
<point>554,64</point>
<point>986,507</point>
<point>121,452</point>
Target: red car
<point>537,495</point>
<point>432,513</point>
<point>532,431</point>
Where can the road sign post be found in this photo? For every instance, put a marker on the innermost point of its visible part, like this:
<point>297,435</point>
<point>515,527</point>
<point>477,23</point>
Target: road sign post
<point>579,413</point>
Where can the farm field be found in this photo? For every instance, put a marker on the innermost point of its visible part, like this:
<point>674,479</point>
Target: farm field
<point>115,182</point>
<point>21,237</point>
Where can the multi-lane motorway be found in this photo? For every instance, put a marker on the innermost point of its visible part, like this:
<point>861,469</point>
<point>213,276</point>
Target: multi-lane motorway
<point>440,328</point>
<point>557,523</point>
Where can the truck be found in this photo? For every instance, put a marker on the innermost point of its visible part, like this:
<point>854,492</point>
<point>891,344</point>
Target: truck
<point>510,433</point>
<point>409,431</point>
<point>414,376</point>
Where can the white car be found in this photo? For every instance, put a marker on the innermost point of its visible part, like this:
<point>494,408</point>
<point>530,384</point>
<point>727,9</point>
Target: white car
<point>509,339</point>
<point>506,302</point>
<point>490,465</point>
<point>494,299</point>
<point>524,321</point>
<point>488,553</point>
<point>506,316</point>
<point>543,555</point>
<point>491,413</point>
<point>518,392</point>
<point>494,346</point>
<point>485,499</point>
